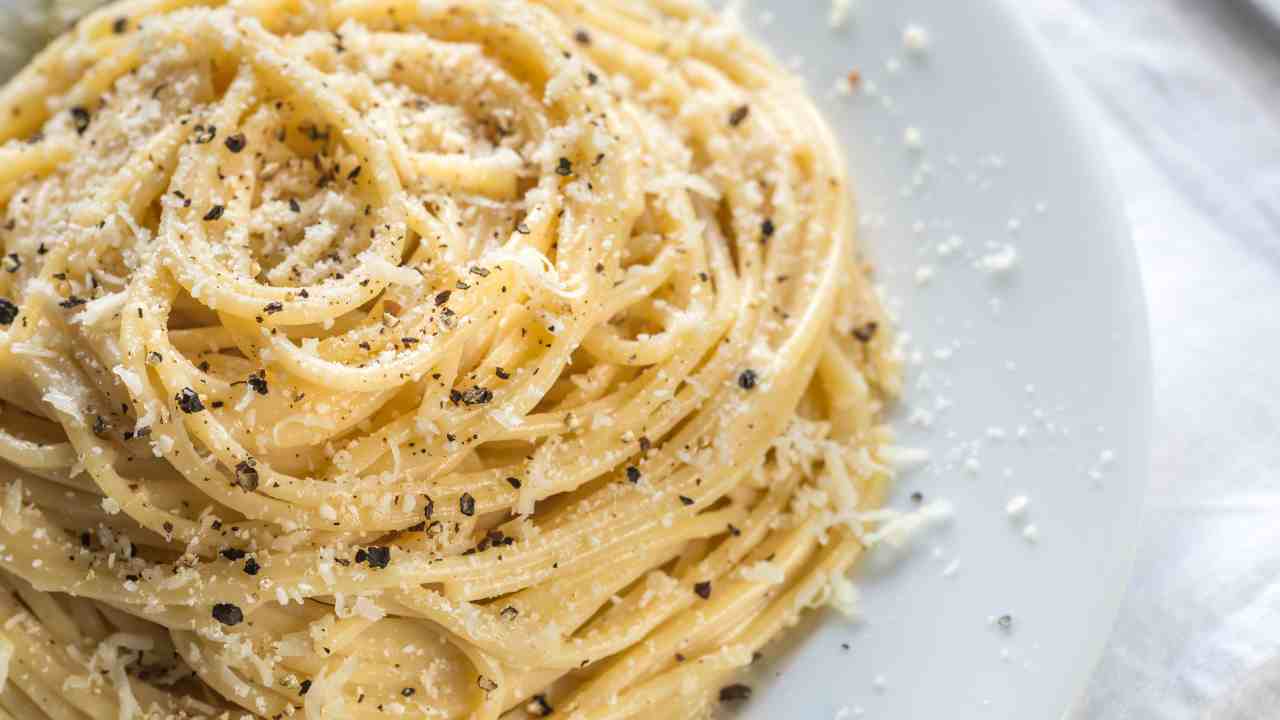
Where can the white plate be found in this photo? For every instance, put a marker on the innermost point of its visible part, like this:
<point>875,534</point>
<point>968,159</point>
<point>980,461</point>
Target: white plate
<point>1057,345</point>
<point>1001,137</point>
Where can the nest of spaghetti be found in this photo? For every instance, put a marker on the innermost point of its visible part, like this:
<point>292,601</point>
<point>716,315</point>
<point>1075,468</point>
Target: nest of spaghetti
<point>466,359</point>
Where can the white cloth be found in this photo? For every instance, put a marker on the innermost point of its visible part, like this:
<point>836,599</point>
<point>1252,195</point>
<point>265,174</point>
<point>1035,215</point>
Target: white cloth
<point>1187,92</point>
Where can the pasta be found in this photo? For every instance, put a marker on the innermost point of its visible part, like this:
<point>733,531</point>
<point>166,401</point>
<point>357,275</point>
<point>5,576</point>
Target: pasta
<point>466,359</point>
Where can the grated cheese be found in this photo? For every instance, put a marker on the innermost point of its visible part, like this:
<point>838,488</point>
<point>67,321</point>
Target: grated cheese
<point>1016,506</point>
<point>839,14</point>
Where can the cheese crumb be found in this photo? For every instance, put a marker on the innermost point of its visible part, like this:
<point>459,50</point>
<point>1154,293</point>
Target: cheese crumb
<point>1016,506</point>
<point>839,15</point>
<point>1031,534</point>
<point>913,138</point>
<point>915,39</point>
<point>1000,261</point>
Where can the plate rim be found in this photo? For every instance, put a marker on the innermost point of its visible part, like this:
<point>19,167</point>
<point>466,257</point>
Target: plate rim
<point>1084,119</point>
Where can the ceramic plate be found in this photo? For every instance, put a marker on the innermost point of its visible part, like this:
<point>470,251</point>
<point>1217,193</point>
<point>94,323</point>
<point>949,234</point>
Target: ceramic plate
<point>988,212</point>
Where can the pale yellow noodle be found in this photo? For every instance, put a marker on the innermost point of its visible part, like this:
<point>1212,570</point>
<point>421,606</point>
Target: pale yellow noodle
<point>472,359</point>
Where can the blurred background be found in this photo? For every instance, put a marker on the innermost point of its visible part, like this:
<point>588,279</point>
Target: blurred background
<point>1184,92</point>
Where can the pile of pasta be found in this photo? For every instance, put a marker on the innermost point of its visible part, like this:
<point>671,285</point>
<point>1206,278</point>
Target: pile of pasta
<point>465,359</point>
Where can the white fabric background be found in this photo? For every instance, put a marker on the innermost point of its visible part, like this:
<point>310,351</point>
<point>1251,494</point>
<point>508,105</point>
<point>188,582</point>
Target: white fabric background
<point>1185,90</point>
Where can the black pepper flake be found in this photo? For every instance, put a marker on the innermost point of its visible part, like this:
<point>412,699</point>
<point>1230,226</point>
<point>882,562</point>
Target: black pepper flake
<point>430,509</point>
<point>482,272</point>
<point>514,482</point>
<point>917,497</point>
<point>486,684</point>
<point>592,78</point>
<point>866,332</point>
<point>13,262</point>
<point>1005,622</point>
<point>735,692</point>
<point>461,285</point>
<point>80,117</point>
<point>144,431</point>
<point>477,396</point>
<point>41,249</point>
<point>645,444</point>
<point>747,380</point>
<point>362,555</point>
<point>120,25</point>
<point>686,500</point>
<point>100,425</point>
<point>703,589</point>
<point>379,557</point>
<point>522,229</point>
<point>304,687</point>
<point>214,213</point>
<point>258,381</point>
<point>734,531</point>
<point>294,206</point>
<point>407,692</point>
<point>228,614</point>
<point>739,114</point>
<point>443,297</point>
<point>582,37</point>
<point>251,567</point>
<point>247,474</point>
<point>564,168</point>
<point>633,474</point>
<point>189,401</point>
<point>509,613</point>
<point>354,173</point>
<point>71,302</point>
<point>86,540</point>
<point>233,554</point>
<point>539,706</point>
<point>273,307</point>
<point>766,228</point>
<point>235,143</point>
<point>502,374</point>
<point>205,135</point>
<point>467,504</point>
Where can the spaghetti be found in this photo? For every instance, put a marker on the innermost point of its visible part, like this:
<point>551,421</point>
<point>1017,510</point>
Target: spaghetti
<point>378,358</point>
